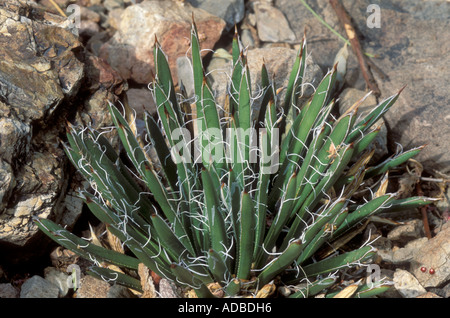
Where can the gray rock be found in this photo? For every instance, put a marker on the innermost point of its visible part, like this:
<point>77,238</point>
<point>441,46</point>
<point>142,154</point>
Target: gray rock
<point>399,255</point>
<point>231,11</point>
<point>446,291</point>
<point>114,17</point>
<point>39,184</point>
<point>413,57</point>
<point>57,278</point>
<point>40,71</point>
<point>272,25</point>
<point>407,285</point>
<point>167,289</point>
<point>410,45</point>
<point>8,291</point>
<point>39,67</point>
<point>91,287</point>
<point>247,39</point>
<point>325,44</point>
<point>429,295</point>
<point>38,287</point>
<point>406,232</point>
<point>141,100</point>
<point>88,28</point>
<point>406,254</point>
<point>113,4</point>
<point>15,138</point>
<point>88,14</point>
<point>185,75</point>
<point>118,291</point>
<point>8,183</point>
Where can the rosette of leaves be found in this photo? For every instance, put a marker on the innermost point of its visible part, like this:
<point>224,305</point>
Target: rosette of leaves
<point>252,209</point>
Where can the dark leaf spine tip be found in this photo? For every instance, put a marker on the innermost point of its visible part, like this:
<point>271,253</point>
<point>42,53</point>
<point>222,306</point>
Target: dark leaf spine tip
<point>193,21</point>
<point>401,89</point>
<point>300,54</point>
<point>166,112</point>
<point>335,67</point>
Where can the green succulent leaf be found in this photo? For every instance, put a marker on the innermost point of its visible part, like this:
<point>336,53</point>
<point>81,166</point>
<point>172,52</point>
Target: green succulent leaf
<point>83,247</point>
<point>237,195</point>
<point>337,262</point>
<point>112,276</point>
<point>314,288</point>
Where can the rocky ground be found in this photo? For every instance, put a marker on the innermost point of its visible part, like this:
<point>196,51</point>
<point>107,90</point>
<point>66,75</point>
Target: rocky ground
<point>53,71</point>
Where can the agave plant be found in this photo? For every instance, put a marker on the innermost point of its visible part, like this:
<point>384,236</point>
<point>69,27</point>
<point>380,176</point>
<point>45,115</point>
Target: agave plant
<point>243,198</point>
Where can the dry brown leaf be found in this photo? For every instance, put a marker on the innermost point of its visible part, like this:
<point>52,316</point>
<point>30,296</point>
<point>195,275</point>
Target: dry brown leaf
<point>114,242</point>
<point>408,180</point>
<point>93,236</point>
<point>266,291</point>
<point>114,268</point>
<point>383,186</point>
<point>348,291</point>
<point>333,152</point>
<point>191,294</point>
<point>216,289</point>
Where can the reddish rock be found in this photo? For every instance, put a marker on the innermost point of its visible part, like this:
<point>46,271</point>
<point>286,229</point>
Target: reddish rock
<point>130,50</point>
<point>101,75</point>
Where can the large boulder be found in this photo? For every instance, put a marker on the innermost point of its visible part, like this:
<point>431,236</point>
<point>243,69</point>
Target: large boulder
<point>410,44</point>
<point>46,79</point>
<point>39,70</point>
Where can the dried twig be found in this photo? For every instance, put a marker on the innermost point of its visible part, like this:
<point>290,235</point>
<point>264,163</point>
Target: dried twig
<point>345,20</point>
<point>61,12</point>
<point>423,210</point>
